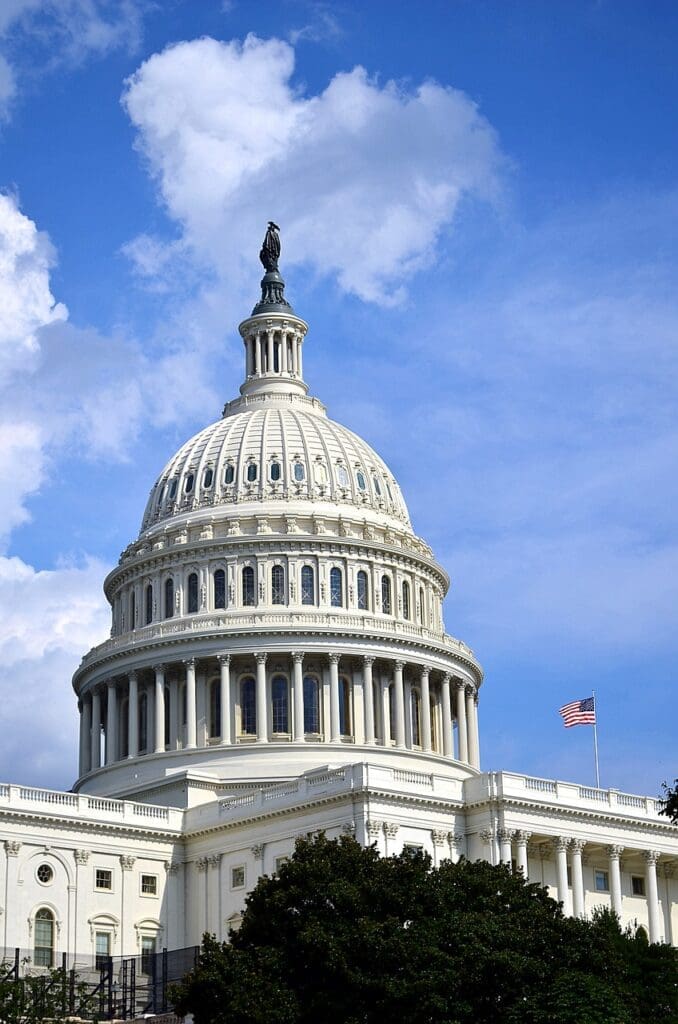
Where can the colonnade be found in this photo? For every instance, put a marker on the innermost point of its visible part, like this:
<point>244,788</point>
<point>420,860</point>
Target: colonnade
<point>273,351</point>
<point>230,699</point>
<point>569,858</point>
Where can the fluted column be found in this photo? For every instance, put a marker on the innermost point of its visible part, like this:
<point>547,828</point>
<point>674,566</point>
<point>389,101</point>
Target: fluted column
<point>85,735</point>
<point>399,697</point>
<point>447,717</point>
<point>191,723</point>
<point>522,839</point>
<point>111,722</point>
<point>614,853</point>
<point>561,844</point>
<point>651,858</point>
<point>159,710</point>
<point>95,745</point>
<point>462,729</point>
<point>368,699</point>
<point>262,717</point>
<point>298,731</point>
<point>470,724</point>
<point>425,709</point>
<point>505,837</point>
<point>133,716</point>
<point>577,878</point>
<point>335,726</point>
<point>269,346</point>
<point>225,698</point>
<point>257,354</point>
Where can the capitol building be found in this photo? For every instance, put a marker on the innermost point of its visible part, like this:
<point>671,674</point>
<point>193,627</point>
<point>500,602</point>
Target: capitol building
<point>278,665</point>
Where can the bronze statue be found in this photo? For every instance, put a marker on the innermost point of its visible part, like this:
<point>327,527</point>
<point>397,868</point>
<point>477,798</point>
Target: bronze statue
<point>270,250</point>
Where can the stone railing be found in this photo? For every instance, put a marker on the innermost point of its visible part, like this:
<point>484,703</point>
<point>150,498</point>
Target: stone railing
<point>79,805</point>
<point>507,785</point>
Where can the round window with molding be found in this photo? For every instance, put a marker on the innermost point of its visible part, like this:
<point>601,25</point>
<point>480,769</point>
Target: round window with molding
<point>45,874</point>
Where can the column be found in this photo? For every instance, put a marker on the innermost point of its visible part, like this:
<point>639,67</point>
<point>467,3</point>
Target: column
<point>335,729</point>
<point>257,355</point>
<point>462,731</point>
<point>300,369</point>
<point>298,731</point>
<point>470,717</point>
<point>399,699</point>
<point>505,837</point>
<point>191,723</point>
<point>225,730</point>
<point>447,717</point>
<point>577,878</point>
<point>651,858</point>
<point>111,723</point>
<point>159,709</point>
<point>133,716</point>
<point>614,853</point>
<point>522,839</point>
<point>85,735</point>
<point>95,745</point>
<point>368,699</point>
<point>248,357</point>
<point>476,731</point>
<point>262,717</point>
<point>425,710</point>
<point>174,691</point>
<point>269,347</point>
<point>561,844</point>
<point>283,352</point>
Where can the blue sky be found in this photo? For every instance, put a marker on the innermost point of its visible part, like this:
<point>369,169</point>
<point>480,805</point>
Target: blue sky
<point>478,206</point>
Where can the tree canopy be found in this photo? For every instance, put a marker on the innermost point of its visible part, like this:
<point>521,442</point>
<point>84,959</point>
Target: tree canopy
<point>670,801</point>
<point>344,936</point>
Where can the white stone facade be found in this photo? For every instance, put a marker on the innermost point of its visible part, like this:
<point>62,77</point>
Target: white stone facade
<point>278,665</point>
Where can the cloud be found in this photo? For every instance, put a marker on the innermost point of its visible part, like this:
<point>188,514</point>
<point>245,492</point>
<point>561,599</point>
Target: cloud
<point>363,177</point>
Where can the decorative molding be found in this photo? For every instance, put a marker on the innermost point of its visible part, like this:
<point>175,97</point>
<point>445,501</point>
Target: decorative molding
<point>374,827</point>
<point>615,852</point>
<point>81,856</point>
<point>127,861</point>
<point>12,846</point>
<point>505,835</point>
<point>258,850</point>
<point>439,836</point>
<point>348,828</point>
<point>391,829</point>
<point>201,864</point>
<point>523,837</point>
<point>651,856</point>
<point>486,835</point>
<point>577,846</point>
<point>561,843</point>
<point>171,867</point>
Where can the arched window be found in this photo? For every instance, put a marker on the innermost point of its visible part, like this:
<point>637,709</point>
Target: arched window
<point>342,476</point>
<point>252,472</point>
<point>406,599</point>
<point>43,951</point>
<point>416,718</point>
<point>360,479</point>
<point>220,589</point>
<point>377,487</point>
<point>132,609</point>
<point>248,585</point>
<point>386,595</point>
<point>362,590</point>
<point>299,472</point>
<point>229,474</point>
<point>149,603</point>
<point>143,722</point>
<point>215,709</point>
<point>208,478</point>
<point>173,489</point>
<point>277,585</point>
<point>275,472</point>
<point>280,705</point>
<point>169,598</point>
<point>190,480</point>
<point>248,708</point>
<point>311,705</point>
<point>193,593</point>
<point>422,607</point>
<point>336,588</point>
<point>344,706</point>
<point>307,585</point>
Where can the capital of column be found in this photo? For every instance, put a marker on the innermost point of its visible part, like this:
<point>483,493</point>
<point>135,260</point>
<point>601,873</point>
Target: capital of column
<point>224,659</point>
<point>368,659</point>
<point>425,672</point>
<point>486,835</point>
<point>460,685</point>
<point>189,662</point>
<point>297,657</point>
<point>470,690</point>
<point>127,861</point>
<point>439,836</point>
<point>258,851</point>
<point>261,657</point>
<point>391,829</point>
<point>522,837</point>
<point>81,856</point>
<point>651,856</point>
<point>159,668</point>
<point>577,845</point>
<point>374,827</point>
<point>615,852</point>
<point>399,665</point>
<point>334,658</point>
<point>505,835</point>
<point>561,842</point>
<point>132,677</point>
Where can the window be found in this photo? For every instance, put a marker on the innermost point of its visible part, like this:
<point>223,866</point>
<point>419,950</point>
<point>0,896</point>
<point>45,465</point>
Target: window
<point>215,709</point>
<point>360,479</point>
<point>601,881</point>
<point>386,595</point>
<point>342,476</point>
<point>248,585</point>
<point>43,952</point>
<point>102,949</point>
<point>406,599</point>
<point>377,487</point>
<point>190,480</point>
<point>362,590</point>
<point>229,474</point>
<point>307,585</point>
<point>278,584</point>
<point>299,472</point>
<point>637,885</point>
<point>169,598</point>
<point>220,589</point>
<point>206,482</point>
<point>238,877</point>
<point>422,607</point>
<point>166,723</point>
<point>149,885</point>
<point>159,497</point>
<point>275,472</point>
<point>279,861</point>
<point>248,710</point>
<point>412,849</point>
<point>344,706</point>
<point>103,878</point>
<point>320,473</point>
<point>143,721</point>
<point>279,701</point>
<point>388,488</point>
<point>132,609</point>
<point>336,588</point>
<point>173,490</point>
<point>147,954</point>
<point>252,472</point>
<point>45,874</point>
<point>149,604</point>
<point>311,705</point>
<point>416,720</point>
<point>193,593</point>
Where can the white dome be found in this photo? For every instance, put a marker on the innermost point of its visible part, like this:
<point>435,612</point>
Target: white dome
<point>273,452</point>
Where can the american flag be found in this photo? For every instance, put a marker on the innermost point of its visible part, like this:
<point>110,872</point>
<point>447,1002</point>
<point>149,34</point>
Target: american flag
<point>579,712</point>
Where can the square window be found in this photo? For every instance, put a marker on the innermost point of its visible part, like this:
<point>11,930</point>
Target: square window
<point>637,885</point>
<point>149,885</point>
<point>279,861</point>
<point>103,878</point>
<point>238,877</point>
<point>602,881</point>
<point>102,949</point>
<point>413,848</point>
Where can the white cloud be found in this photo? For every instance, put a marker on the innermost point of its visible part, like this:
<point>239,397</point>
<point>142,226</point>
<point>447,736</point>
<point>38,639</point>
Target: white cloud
<point>362,177</point>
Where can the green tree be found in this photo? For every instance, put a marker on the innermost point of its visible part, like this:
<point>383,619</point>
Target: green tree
<point>670,801</point>
<point>344,936</point>
<point>41,995</point>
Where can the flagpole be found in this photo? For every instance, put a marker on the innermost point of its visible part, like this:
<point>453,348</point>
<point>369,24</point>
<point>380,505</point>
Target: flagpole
<point>595,738</point>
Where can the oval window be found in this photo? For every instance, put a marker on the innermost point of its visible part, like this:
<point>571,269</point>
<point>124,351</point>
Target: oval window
<point>45,874</point>
<point>190,480</point>
<point>342,476</point>
<point>252,472</point>
<point>173,490</point>
<point>376,485</point>
<point>275,471</point>
<point>229,474</point>
<point>361,480</point>
<point>299,472</point>
<point>208,478</point>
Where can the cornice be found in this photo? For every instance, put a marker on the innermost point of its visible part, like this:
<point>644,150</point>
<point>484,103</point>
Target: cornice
<point>46,820</point>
